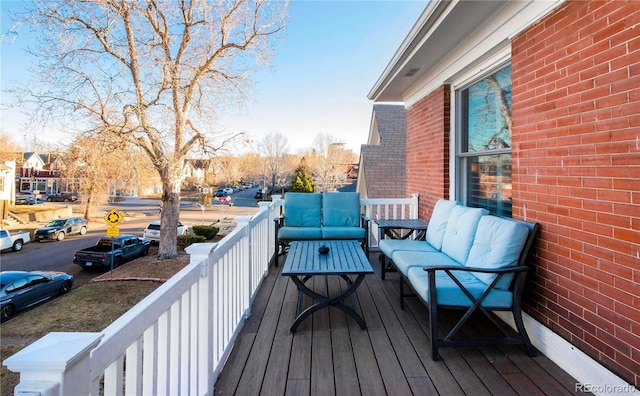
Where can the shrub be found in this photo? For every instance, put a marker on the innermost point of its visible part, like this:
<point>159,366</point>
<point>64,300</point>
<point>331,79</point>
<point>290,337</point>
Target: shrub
<point>189,239</point>
<point>209,232</point>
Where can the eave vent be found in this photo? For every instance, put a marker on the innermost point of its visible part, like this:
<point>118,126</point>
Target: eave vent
<point>411,72</point>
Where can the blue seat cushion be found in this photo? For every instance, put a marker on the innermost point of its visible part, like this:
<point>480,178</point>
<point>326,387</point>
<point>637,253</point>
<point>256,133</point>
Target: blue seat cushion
<point>438,222</point>
<point>329,232</point>
<point>460,231</point>
<point>302,209</point>
<point>449,294</point>
<point>295,233</point>
<point>497,244</point>
<point>389,246</point>
<point>341,209</point>
<point>405,259</point>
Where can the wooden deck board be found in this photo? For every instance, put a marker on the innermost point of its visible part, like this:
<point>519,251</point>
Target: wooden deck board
<point>331,355</point>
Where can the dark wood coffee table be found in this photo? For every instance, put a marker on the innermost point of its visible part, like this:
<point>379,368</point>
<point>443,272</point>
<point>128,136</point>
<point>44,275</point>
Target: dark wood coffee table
<point>345,259</point>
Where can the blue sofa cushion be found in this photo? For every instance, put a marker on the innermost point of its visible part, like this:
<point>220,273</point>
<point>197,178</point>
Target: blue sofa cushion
<point>438,222</point>
<point>460,231</point>
<point>389,246</point>
<point>295,233</point>
<point>341,209</point>
<point>497,244</point>
<point>405,259</point>
<point>302,210</point>
<point>329,232</point>
<point>448,292</point>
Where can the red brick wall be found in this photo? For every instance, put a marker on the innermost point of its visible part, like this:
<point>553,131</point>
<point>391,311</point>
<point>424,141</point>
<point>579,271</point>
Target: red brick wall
<point>576,170</point>
<point>428,149</point>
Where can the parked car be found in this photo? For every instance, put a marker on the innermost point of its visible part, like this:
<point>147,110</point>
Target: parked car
<point>152,232</point>
<point>14,241</point>
<point>228,190</point>
<point>27,200</point>
<point>58,229</point>
<point>220,193</point>
<point>63,197</point>
<point>258,195</point>
<point>108,251</point>
<point>22,289</point>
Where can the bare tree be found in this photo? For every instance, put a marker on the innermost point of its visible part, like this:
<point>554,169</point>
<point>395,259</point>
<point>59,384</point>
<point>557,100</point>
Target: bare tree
<point>153,73</point>
<point>328,162</point>
<point>273,148</point>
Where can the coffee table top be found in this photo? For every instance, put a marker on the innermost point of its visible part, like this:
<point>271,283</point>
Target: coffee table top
<point>344,258</point>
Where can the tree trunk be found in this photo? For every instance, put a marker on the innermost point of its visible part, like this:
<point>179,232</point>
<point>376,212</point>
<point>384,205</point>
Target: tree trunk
<point>167,247</point>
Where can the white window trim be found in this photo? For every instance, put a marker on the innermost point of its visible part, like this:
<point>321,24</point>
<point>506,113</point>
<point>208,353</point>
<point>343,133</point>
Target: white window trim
<point>461,81</point>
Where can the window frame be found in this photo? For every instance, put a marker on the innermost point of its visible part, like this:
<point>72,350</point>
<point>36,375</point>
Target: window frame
<point>460,159</point>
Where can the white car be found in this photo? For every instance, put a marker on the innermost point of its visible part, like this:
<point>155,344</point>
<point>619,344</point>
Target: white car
<point>152,232</point>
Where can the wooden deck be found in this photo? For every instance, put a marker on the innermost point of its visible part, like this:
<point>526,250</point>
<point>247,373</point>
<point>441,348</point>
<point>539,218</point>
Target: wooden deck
<point>331,355</point>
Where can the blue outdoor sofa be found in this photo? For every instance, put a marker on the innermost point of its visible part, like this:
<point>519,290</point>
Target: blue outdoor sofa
<point>471,261</point>
<point>325,216</point>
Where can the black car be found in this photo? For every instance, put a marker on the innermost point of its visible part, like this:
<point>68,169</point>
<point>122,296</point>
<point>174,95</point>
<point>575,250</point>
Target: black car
<point>59,228</point>
<point>220,193</point>
<point>62,197</point>
<point>258,195</point>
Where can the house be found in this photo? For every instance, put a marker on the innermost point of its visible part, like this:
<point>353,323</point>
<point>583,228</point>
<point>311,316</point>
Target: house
<point>383,158</point>
<point>531,109</point>
<point>38,174</point>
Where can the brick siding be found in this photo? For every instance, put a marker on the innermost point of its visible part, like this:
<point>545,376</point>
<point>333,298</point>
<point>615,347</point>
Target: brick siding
<point>428,149</point>
<point>576,170</point>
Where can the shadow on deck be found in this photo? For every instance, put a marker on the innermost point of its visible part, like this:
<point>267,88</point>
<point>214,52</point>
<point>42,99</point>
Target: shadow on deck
<point>331,355</point>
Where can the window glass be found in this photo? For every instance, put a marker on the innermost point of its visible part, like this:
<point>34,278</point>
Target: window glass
<point>484,154</point>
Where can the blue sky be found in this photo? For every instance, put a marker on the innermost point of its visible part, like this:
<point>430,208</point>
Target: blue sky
<point>329,58</point>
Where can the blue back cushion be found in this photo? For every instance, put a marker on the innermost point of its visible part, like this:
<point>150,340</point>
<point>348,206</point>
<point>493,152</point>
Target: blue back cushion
<point>497,244</point>
<point>341,209</point>
<point>460,231</point>
<point>438,222</point>
<point>302,209</point>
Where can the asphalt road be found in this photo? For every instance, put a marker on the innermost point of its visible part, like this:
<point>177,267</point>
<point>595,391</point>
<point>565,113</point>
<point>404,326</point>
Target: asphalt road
<point>58,255</point>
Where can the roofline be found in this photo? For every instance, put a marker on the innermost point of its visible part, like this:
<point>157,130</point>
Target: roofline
<point>425,22</point>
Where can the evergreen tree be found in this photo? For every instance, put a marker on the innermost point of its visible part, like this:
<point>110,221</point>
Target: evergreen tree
<point>301,181</point>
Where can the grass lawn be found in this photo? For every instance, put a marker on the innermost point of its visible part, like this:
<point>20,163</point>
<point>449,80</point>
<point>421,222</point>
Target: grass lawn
<point>89,308</point>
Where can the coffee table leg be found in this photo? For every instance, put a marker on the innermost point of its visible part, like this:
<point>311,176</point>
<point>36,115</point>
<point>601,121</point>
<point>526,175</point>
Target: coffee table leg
<point>324,301</point>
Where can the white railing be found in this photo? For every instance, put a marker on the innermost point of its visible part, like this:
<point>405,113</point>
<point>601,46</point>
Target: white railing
<point>387,209</point>
<point>177,339</point>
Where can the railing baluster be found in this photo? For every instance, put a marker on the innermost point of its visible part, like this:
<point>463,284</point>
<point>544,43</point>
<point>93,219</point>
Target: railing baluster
<point>176,340</point>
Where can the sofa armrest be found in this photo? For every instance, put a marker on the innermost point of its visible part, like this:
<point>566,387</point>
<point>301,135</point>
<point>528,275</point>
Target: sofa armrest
<point>503,270</point>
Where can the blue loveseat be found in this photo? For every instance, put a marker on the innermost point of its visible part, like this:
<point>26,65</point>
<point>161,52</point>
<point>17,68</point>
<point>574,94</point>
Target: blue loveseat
<point>326,216</point>
<point>470,260</point>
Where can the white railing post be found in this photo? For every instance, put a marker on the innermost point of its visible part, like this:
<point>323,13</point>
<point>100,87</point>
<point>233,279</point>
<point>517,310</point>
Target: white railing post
<point>242,222</point>
<point>200,253</point>
<point>414,206</point>
<point>55,365</point>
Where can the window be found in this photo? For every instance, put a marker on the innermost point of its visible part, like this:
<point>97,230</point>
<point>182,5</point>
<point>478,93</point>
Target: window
<point>483,157</point>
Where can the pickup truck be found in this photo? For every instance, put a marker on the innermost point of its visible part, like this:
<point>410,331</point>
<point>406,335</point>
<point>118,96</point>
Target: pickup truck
<point>15,241</point>
<point>121,248</point>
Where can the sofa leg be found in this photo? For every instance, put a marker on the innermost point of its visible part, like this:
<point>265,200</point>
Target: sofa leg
<point>517,318</point>
<point>383,266</point>
<point>433,326</point>
<point>401,293</point>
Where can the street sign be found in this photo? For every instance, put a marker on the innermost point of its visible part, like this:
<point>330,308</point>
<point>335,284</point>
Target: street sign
<point>113,232</point>
<point>113,217</point>
<point>222,200</point>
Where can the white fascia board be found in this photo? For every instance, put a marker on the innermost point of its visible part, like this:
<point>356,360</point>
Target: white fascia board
<point>488,41</point>
<point>429,19</point>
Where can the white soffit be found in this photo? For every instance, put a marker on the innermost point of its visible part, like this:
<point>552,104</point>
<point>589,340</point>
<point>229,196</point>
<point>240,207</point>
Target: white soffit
<point>450,37</point>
